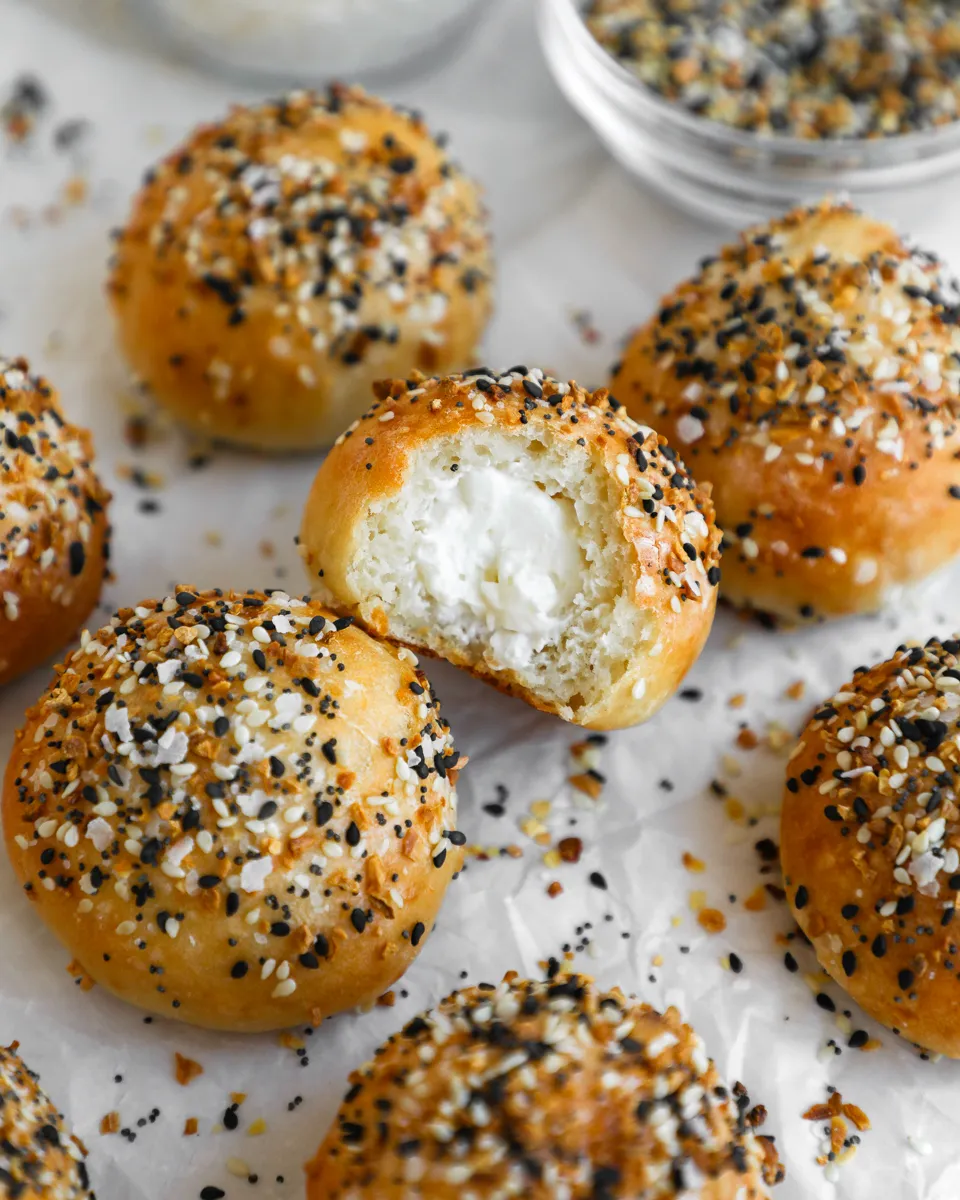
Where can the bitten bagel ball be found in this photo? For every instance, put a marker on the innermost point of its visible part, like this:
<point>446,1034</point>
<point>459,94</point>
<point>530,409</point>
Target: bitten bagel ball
<point>39,1160</point>
<point>54,538</point>
<point>236,810</point>
<point>810,372</point>
<point>524,529</point>
<point>543,1089</point>
<point>284,258</point>
<point>870,841</point>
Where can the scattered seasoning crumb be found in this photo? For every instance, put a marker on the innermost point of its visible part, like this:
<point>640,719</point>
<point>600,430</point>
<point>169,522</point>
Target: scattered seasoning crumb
<point>747,739</point>
<point>796,690</point>
<point>731,766</point>
<point>712,920</point>
<point>554,889</point>
<point>838,1145</point>
<point>191,1127</point>
<point>694,865</point>
<point>570,849</point>
<point>68,134</point>
<point>75,190</point>
<point>186,1070</point>
<point>757,900</point>
<point>737,701</point>
<point>147,480</point>
<point>590,783</point>
<point>27,100</point>
<point>583,323</point>
<point>779,738</point>
<point>137,431</point>
<point>83,980</point>
<point>387,1000</point>
<point>110,1123</point>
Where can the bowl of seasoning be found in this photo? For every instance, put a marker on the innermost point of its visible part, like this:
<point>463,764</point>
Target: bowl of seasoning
<point>739,109</point>
<point>303,42</point>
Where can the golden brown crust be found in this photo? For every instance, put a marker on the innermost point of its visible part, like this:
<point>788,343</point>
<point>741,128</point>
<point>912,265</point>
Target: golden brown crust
<point>39,1160</point>
<point>809,372</point>
<point>284,258</point>
<point>870,841</point>
<point>678,589</point>
<point>53,524</point>
<point>236,810</point>
<point>538,1088</point>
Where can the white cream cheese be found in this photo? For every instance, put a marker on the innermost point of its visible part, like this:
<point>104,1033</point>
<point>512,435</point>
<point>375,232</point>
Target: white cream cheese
<point>494,551</point>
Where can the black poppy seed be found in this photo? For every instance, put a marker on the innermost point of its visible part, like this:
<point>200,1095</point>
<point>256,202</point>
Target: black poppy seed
<point>78,558</point>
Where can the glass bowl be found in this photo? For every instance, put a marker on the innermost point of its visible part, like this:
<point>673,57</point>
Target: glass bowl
<point>308,42</point>
<point>733,176</point>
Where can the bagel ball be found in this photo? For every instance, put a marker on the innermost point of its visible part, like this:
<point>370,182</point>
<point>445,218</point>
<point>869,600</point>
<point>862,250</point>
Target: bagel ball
<point>236,810</point>
<point>284,258</point>
<point>542,1090</point>
<point>54,538</point>
<point>810,372</point>
<point>524,529</point>
<point>39,1160</point>
<point>870,841</point>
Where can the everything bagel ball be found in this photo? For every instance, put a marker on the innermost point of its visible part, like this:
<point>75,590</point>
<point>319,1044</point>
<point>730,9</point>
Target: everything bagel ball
<point>811,373</point>
<point>543,1089</point>
<point>870,841</point>
<point>284,258</point>
<point>39,1160</point>
<point>526,530</point>
<point>53,524</point>
<point>236,810</point>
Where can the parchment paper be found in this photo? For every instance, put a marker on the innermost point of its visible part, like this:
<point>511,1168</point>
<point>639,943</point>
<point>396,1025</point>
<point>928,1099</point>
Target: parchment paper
<point>574,234</point>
